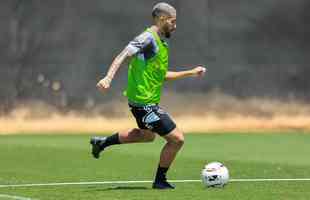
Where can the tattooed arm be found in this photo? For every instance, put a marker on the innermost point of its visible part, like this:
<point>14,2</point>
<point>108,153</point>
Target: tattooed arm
<point>139,44</point>
<point>105,83</point>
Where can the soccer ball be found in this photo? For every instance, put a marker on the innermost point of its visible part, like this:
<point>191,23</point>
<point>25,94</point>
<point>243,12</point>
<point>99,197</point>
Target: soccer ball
<point>215,174</point>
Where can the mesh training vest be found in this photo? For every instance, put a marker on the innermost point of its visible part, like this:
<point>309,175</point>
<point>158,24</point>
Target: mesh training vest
<point>146,76</point>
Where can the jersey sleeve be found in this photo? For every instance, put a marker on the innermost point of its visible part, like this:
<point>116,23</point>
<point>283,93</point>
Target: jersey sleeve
<point>140,43</point>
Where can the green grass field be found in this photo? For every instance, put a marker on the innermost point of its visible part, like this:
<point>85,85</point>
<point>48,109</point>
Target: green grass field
<point>66,158</point>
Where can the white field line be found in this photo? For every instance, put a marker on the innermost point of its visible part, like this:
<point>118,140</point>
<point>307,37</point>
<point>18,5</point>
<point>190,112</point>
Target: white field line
<point>268,179</point>
<point>14,197</point>
<point>148,181</point>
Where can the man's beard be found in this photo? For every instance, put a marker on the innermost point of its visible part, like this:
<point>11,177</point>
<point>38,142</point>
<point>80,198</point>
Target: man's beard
<point>167,34</point>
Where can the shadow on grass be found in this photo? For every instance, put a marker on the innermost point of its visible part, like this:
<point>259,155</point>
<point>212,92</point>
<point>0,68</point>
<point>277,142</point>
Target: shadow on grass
<point>118,188</point>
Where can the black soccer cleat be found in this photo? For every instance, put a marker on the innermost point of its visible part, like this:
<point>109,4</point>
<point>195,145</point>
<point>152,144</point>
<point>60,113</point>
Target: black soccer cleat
<point>97,145</point>
<point>162,185</point>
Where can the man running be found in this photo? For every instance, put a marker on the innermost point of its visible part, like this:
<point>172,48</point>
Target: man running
<point>148,69</point>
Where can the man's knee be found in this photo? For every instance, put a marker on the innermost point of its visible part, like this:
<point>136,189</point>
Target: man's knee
<point>176,137</point>
<point>180,140</point>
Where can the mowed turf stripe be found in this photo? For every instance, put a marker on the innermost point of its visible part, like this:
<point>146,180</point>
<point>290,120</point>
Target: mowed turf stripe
<point>14,197</point>
<point>146,181</point>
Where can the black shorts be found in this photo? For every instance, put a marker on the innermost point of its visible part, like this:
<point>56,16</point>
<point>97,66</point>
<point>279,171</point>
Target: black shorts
<point>153,118</point>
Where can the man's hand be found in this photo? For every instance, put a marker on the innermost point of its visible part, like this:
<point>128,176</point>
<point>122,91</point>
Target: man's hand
<point>104,84</point>
<point>199,71</point>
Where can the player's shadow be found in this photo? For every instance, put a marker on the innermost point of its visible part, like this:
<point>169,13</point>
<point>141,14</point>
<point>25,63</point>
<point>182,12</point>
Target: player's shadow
<point>119,188</point>
<point>126,188</point>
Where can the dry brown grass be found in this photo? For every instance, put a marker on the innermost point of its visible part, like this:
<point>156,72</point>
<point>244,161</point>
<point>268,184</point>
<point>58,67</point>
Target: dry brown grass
<point>199,124</point>
<point>196,113</point>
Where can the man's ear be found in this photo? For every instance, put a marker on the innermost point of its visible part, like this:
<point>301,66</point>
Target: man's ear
<point>157,19</point>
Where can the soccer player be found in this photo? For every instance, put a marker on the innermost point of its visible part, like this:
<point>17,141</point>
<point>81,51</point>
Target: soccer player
<point>148,70</point>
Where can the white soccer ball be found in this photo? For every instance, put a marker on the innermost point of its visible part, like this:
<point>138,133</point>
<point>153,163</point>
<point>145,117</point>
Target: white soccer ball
<point>215,174</point>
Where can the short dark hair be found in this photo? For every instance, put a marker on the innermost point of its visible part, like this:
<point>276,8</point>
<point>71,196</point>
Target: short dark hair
<point>156,13</point>
<point>163,9</point>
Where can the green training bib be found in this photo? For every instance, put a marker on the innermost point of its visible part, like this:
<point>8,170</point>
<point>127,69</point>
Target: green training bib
<point>146,76</point>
